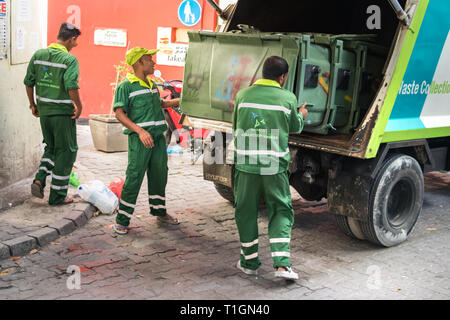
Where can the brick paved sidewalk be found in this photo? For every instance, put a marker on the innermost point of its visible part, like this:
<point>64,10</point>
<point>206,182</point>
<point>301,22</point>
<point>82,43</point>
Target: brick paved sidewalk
<point>196,259</point>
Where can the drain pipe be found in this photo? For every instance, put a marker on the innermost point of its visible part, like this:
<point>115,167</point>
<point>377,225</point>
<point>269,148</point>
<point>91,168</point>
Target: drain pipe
<point>401,14</point>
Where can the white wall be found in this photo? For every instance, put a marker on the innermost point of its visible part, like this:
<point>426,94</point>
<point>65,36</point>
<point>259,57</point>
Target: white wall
<point>20,133</point>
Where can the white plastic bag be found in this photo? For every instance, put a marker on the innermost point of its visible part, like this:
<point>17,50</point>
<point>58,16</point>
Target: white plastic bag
<point>96,193</point>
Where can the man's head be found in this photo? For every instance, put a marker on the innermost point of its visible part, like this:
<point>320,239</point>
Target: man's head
<point>68,35</point>
<point>141,59</point>
<point>276,68</point>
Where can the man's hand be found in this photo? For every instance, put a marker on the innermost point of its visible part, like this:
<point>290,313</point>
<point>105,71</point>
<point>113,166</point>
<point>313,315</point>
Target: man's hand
<point>146,138</point>
<point>303,110</point>
<point>77,113</point>
<point>170,103</point>
<point>34,110</point>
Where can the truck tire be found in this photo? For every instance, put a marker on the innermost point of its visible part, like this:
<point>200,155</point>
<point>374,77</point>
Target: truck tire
<point>395,201</point>
<point>225,191</point>
<point>350,227</point>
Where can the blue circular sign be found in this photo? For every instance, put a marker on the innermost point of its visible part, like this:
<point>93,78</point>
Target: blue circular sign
<point>189,12</point>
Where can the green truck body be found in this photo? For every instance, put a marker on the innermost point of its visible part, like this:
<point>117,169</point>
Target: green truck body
<point>378,102</point>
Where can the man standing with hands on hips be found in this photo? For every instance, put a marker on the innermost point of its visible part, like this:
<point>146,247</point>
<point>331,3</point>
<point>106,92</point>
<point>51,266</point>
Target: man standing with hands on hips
<point>264,115</point>
<point>138,107</point>
<point>54,73</point>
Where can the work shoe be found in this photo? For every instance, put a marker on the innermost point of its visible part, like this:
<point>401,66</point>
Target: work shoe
<point>167,219</point>
<point>245,270</point>
<point>288,274</point>
<point>37,190</point>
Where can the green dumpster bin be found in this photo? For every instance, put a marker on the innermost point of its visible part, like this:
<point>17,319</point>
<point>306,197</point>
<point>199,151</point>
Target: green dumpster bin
<point>218,65</point>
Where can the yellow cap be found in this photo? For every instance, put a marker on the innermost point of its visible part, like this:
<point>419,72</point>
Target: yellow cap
<point>133,55</point>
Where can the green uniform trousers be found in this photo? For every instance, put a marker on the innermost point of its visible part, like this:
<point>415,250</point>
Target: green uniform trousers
<point>248,190</point>
<point>142,160</point>
<point>60,138</point>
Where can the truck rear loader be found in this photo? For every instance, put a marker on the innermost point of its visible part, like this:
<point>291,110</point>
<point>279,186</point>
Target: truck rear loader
<point>376,83</point>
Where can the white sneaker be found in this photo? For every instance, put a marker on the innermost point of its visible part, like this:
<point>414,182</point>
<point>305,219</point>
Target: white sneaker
<point>245,270</point>
<point>289,274</point>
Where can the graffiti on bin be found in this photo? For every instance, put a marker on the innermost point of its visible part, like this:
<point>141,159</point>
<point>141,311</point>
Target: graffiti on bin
<point>230,86</point>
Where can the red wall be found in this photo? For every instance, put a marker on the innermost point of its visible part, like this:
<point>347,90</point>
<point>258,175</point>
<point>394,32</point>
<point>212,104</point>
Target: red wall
<point>141,19</point>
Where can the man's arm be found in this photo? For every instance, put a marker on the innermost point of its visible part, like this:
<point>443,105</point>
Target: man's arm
<point>75,96</point>
<point>30,95</point>
<point>144,135</point>
<point>170,103</point>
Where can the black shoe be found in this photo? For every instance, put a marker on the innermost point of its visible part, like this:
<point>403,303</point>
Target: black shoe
<point>37,190</point>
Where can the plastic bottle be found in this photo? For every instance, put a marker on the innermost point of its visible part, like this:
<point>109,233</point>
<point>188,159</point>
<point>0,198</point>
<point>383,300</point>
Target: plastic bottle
<point>97,194</point>
<point>74,179</point>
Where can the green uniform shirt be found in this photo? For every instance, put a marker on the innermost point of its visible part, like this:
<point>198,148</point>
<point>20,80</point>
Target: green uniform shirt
<point>264,115</point>
<point>53,71</point>
<point>141,103</point>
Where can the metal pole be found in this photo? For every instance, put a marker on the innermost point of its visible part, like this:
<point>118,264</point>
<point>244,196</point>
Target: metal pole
<point>215,7</point>
<point>401,14</point>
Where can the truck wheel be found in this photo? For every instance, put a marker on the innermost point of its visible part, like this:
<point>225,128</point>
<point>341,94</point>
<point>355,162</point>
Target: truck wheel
<point>225,191</point>
<point>350,227</point>
<point>395,201</point>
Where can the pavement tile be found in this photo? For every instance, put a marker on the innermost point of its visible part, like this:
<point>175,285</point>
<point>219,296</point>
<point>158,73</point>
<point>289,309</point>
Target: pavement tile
<point>44,236</point>
<point>64,227</point>
<point>21,246</point>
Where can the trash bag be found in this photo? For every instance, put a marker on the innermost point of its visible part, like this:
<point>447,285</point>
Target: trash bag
<point>116,187</point>
<point>96,193</point>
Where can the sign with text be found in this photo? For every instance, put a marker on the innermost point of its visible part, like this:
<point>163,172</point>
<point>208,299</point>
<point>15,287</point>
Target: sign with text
<point>3,9</point>
<point>170,53</point>
<point>110,37</point>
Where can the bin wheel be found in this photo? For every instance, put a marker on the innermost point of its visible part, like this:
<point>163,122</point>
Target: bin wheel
<point>225,191</point>
<point>395,201</point>
<point>350,227</point>
<point>309,192</point>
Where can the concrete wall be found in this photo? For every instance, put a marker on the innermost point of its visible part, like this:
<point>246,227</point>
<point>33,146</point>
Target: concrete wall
<point>20,133</point>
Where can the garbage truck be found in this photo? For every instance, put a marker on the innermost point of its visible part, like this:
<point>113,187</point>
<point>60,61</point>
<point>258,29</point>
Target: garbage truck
<point>375,78</point>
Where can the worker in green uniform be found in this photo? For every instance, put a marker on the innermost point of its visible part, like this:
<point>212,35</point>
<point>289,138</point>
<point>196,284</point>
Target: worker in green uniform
<point>54,72</point>
<point>264,115</point>
<point>138,107</point>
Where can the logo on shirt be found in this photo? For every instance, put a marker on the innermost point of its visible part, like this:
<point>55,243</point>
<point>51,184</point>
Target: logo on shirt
<point>258,121</point>
<point>48,76</point>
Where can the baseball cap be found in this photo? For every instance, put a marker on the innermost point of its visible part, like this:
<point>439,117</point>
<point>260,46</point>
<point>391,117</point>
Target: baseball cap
<point>133,55</point>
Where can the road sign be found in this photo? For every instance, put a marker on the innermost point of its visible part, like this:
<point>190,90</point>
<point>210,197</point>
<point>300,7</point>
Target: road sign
<point>189,12</point>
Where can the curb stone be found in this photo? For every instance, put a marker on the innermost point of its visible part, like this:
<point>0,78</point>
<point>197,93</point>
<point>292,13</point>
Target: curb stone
<point>22,245</point>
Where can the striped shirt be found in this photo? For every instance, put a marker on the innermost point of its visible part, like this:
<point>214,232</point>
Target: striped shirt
<point>264,116</point>
<point>53,72</point>
<point>141,103</point>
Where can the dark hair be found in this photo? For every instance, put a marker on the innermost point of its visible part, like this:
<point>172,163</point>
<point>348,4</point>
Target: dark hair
<point>68,31</point>
<point>274,67</point>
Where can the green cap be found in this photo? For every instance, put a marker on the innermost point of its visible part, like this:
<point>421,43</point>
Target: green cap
<point>133,55</point>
